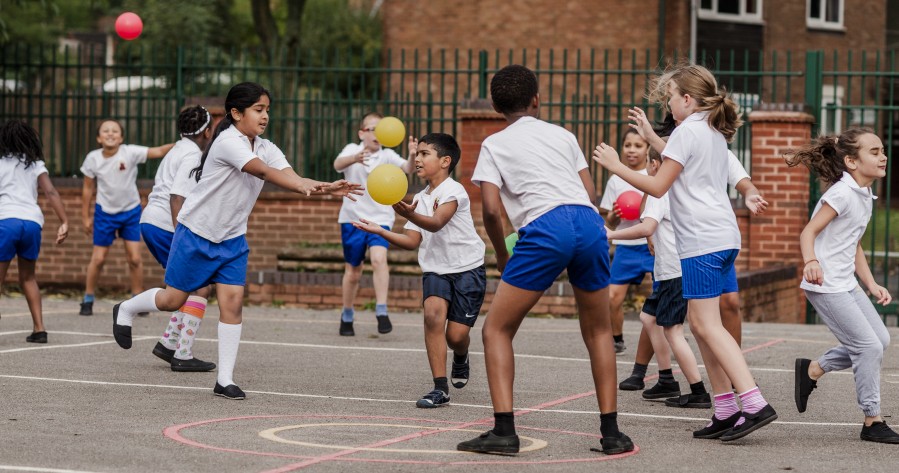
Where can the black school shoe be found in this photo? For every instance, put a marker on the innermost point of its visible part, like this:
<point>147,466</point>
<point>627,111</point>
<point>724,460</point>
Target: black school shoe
<point>460,372</point>
<point>122,333</point>
<point>879,432</point>
<point>615,445</point>
<point>37,337</point>
<point>163,353</point>
<point>804,384</point>
<point>752,423</point>
<point>488,442</point>
<point>632,383</point>
<point>693,401</point>
<point>87,308</point>
<point>230,391</point>
<point>194,365</point>
<point>718,427</point>
<point>346,329</point>
<point>662,391</point>
<point>384,325</point>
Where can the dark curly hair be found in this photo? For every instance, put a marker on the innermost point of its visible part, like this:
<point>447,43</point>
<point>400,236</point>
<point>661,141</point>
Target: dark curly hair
<point>20,141</point>
<point>512,88</point>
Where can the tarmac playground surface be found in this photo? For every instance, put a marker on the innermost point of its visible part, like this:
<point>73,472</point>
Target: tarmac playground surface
<point>320,402</point>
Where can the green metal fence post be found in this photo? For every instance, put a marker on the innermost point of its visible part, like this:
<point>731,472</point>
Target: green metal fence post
<point>814,91</point>
<point>179,78</point>
<point>482,74</point>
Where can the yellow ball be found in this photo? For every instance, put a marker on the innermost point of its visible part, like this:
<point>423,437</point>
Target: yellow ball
<point>390,131</point>
<point>387,184</point>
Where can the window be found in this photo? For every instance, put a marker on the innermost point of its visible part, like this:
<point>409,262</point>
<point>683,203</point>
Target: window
<point>739,11</point>
<point>831,109</point>
<point>824,14</point>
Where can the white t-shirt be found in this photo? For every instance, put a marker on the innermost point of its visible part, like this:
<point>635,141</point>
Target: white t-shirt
<point>735,170</point>
<point>183,157</point>
<point>18,190</point>
<point>116,177</point>
<point>614,188</point>
<point>703,216</point>
<point>364,206</point>
<point>456,247</point>
<point>218,208</point>
<point>667,263</point>
<point>535,164</point>
<point>836,245</point>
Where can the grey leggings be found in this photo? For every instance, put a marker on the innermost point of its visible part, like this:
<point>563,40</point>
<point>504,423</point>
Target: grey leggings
<point>863,337</point>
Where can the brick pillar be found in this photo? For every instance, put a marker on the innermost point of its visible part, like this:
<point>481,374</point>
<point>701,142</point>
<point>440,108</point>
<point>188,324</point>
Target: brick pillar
<point>478,121</point>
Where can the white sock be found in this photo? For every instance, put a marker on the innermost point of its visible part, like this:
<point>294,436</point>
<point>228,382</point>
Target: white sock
<point>143,302</point>
<point>229,341</point>
<point>172,330</point>
<point>186,340</point>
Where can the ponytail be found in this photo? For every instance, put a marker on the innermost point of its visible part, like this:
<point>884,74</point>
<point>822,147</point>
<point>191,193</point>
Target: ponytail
<point>724,114</point>
<point>826,155</point>
<point>222,126</point>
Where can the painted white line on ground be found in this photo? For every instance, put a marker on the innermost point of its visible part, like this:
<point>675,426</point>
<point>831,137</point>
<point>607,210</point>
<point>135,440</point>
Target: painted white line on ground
<point>44,312</point>
<point>35,468</point>
<point>52,347</point>
<point>399,401</point>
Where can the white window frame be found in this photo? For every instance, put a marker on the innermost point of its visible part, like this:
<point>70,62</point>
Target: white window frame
<point>742,17</point>
<point>820,23</point>
<point>831,96</point>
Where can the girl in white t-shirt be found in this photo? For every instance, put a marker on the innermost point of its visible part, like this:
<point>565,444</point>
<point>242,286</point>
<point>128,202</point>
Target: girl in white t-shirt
<point>210,244</point>
<point>694,174</point>
<point>111,171</point>
<point>22,172</point>
<point>632,259</point>
<point>833,255</point>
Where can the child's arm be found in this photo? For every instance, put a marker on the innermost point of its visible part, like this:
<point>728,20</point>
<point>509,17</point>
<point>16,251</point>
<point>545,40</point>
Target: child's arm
<point>644,129</point>
<point>175,204</point>
<point>441,217</point>
<point>492,205</point>
<point>46,185</point>
<point>408,241</point>
<point>409,166</point>
<point>655,186</point>
<point>288,179</point>
<point>343,162</point>
<point>87,197</point>
<point>864,275</point>
<point>641,230</point>
<point>751,196</point>
<point>812,269</point>
<point>157,152</point>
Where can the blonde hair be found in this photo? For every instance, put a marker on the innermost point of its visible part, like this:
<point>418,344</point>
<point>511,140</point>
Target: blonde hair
<point>700,84</point>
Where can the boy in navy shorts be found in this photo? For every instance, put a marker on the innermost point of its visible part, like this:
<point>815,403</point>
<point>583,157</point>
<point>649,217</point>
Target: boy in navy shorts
<point>538,173</point>
<point>451,255</point>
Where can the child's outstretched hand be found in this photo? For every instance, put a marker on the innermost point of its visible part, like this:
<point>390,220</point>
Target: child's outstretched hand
<point>881,293</point>
<point>813,273</point>
<point>366,226</point>
<point>607,157</point>
<point>640,123</point>
<point>756,204</point>
<point>413,147</point>
<point>62,233</point>
<point>341,188</point>
<point>405,209</point>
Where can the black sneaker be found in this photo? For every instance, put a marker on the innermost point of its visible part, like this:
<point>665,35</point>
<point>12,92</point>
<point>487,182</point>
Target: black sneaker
<point>488,442</point>
<point>615,445</point>
<point>804,384</point>
<point>346,329</point>
<point>435,398</point>
<point>459,373</point>
<point>163,353</point>
<point>694,401</point>
<point>230,391</point>
<point>662,391</point>
<point>37,337</point>
<point>192,365</point>
<point>122,333</point>
<point>632,383</point>
<point>87,308</point>
<point>751,423</point>
<point>879,432</point>
<point>384,325</point>
<point>619,347</point>
<point>717,427</point>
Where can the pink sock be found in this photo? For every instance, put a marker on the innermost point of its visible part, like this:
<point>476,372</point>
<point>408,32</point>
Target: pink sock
<point>725,405</point>
<point>752,401</point>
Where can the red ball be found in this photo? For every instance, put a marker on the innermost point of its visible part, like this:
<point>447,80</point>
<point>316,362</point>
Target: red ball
<point>129,26</point>
<point>629,205</point>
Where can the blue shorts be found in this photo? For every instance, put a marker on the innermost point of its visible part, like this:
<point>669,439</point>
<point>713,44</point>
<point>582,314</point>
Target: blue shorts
<point>158,241</point>
<point>730,281</point>
<point>196,262</point>
<point>631,263</point>
<point>126,224</point>
<point>705,276</point>
<point>568,237</point>
<point>667,303</point>
<point>356,241</point>
<point>463,291</point>
<point>19,237</point>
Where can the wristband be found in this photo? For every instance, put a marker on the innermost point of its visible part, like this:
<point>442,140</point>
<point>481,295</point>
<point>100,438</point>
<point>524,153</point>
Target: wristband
<point>813,259</point>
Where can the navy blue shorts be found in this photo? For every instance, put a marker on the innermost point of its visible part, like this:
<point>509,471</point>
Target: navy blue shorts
<point>667,303</point>
<point>356,241</point>
<point>106,226</point>
<point>571,237</point>
<point>705,276</point>
<point>631,263</point>
<point>19,237</point>
<point>463,291</point>
<point>196,262</point>
<point>158,241</point>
